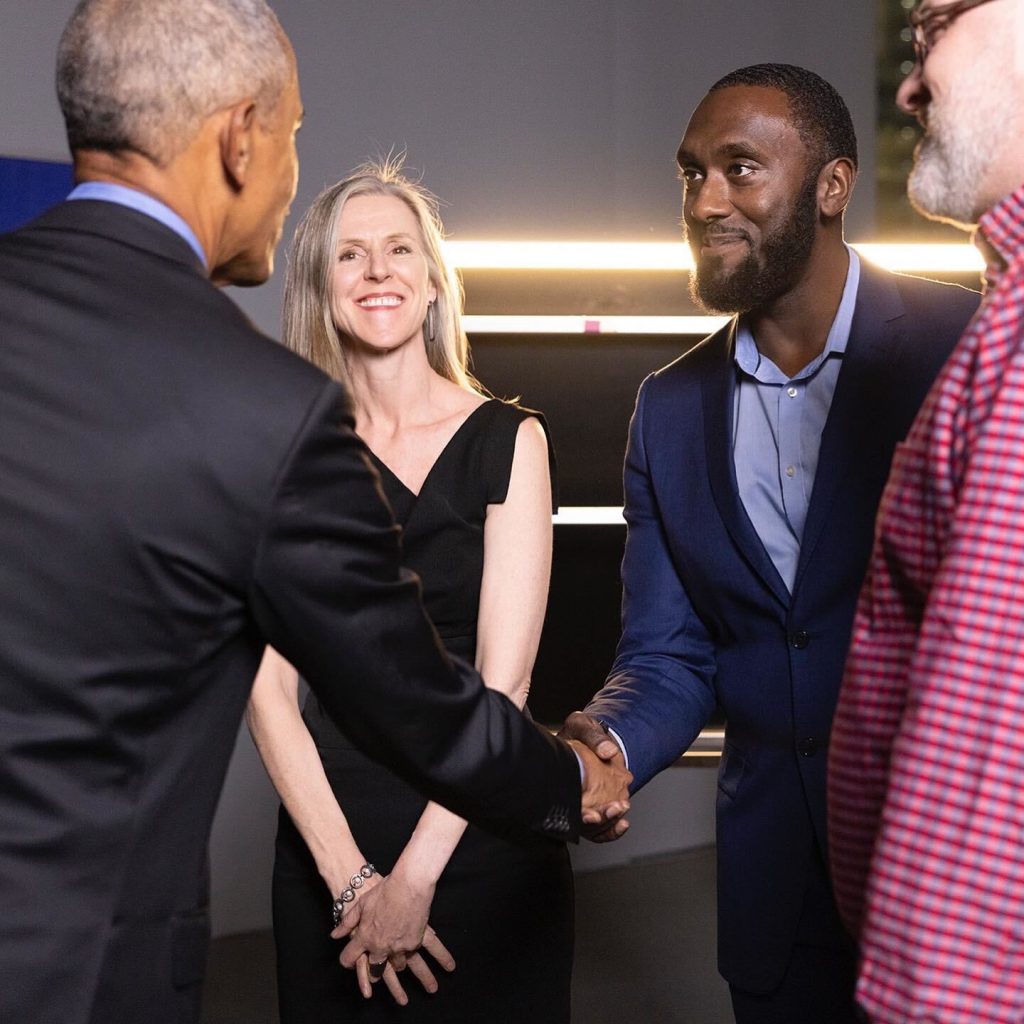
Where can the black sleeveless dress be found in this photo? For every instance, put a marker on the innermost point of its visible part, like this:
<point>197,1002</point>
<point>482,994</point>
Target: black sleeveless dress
<point>503,908</point>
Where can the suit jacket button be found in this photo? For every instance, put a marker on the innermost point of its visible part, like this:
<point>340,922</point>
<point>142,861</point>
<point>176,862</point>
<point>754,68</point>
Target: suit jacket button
<point>808,747</point>
<point>799,639</point>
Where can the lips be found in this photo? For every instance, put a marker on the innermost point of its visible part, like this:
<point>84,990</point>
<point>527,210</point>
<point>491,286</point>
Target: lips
<point>389,301</point>
<point>721,239</point>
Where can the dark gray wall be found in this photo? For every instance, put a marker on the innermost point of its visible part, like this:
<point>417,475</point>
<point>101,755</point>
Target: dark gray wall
<point>532,119</point>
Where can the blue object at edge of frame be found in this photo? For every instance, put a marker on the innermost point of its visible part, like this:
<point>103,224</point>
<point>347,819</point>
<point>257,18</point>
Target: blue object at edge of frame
<point>28,187</point>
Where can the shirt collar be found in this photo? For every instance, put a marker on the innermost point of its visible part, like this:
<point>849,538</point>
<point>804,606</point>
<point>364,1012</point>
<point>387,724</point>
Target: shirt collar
<point>1000,235</point>
<point>122,195</point>
<point>751,362</point>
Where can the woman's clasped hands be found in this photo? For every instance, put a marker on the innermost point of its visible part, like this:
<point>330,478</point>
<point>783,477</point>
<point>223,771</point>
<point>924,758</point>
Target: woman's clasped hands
<point>387,929</point>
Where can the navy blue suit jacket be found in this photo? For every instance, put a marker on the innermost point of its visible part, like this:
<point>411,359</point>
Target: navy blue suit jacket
<point>708,621</point>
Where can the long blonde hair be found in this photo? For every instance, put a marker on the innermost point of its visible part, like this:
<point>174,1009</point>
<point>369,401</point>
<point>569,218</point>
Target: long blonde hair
<point>309,327</point>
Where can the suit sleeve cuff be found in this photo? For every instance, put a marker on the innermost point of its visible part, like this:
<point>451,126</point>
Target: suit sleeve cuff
<point>583,771</point>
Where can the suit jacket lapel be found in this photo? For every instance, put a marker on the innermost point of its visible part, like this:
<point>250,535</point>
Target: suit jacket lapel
<point>873,343</point>
<point>717,391</point>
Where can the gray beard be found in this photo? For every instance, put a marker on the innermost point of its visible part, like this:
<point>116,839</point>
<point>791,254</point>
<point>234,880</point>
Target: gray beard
<point>943,183</point>
<point>965,135</point>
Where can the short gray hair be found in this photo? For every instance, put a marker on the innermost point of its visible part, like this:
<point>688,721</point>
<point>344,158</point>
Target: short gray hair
<point>142,75</point>
<point>309,327</point>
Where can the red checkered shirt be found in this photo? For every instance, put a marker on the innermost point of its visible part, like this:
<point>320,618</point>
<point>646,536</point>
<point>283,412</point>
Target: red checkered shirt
<point>926,766</point>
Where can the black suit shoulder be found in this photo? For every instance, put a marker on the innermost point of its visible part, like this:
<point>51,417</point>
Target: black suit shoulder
<point>935,308</point>
<point>933,316</point>
<point>922,293</point>
<point>178,357</point>
<point>676,381</point>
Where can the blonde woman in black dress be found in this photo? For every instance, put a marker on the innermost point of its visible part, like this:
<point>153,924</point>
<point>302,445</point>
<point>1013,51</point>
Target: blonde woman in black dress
<point>369,299</point>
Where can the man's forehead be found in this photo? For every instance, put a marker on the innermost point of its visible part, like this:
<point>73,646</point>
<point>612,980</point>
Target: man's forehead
<point>738,109</point>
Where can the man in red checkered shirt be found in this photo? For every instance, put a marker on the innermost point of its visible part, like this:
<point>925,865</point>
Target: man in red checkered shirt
<point>926,766</point>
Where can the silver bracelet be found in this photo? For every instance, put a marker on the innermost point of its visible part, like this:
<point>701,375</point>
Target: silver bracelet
<point>348,894</point>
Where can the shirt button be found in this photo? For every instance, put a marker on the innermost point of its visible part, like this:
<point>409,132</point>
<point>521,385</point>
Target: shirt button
<point>792,392</point>
<point>808,747</point>
<point>791,471</point>
<point>799,639</point>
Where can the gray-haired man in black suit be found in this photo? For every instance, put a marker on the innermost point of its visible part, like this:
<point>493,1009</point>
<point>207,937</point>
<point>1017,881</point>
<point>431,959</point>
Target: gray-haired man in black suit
<point>177,491</point>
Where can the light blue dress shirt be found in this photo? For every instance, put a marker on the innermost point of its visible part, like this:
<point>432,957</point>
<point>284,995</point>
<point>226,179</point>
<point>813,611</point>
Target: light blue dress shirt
<point>108,192</point>
<point>777,426</point>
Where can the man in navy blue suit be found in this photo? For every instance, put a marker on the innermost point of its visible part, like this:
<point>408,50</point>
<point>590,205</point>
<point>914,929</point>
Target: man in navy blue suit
<point>754,468</point>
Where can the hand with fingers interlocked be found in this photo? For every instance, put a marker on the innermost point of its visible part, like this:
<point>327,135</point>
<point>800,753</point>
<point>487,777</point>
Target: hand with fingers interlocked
<point>388,932</point>
<point>604,817</point>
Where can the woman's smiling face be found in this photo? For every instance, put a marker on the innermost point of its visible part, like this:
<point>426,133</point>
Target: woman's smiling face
<point>381,283</point>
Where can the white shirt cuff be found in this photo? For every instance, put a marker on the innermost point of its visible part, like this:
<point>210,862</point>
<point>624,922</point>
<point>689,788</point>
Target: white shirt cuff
<point>622,746</point>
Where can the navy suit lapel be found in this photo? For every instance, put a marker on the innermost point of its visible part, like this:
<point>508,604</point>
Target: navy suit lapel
<point>873,347</point>
<point>717,393</point>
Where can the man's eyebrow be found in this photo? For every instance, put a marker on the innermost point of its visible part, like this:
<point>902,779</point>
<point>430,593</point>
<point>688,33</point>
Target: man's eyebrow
<point>738,147</point>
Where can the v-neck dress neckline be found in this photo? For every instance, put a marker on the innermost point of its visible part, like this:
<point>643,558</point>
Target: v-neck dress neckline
<point>402,497</point>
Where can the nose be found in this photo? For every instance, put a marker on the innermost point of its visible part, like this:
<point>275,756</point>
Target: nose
<point>912,94</point>
<point>377,268</point>
<point>707,201</point>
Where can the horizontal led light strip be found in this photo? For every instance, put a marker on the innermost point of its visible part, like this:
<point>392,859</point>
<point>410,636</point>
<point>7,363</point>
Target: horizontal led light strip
<point>960,258</point>
<point>589,515</point>
<point>677,325</point>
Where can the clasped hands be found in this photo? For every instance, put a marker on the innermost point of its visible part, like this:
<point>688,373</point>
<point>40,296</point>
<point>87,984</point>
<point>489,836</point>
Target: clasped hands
<point>387,924</point>
<point>606,778</point>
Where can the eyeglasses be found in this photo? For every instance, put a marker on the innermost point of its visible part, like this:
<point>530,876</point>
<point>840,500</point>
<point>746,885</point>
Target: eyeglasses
<point>927,27</point>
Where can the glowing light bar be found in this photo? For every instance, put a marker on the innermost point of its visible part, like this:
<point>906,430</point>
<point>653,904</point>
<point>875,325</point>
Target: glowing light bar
<point>922,259</point>
<point>593,515</point>
<point>707,745</point>
<point>569,255</point>
<point>951,258</point>
<point>679,325</point>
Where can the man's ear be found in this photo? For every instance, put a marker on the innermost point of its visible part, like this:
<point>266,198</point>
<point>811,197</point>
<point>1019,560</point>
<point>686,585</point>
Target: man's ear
<point>236,140</point>
<point>835,186</point>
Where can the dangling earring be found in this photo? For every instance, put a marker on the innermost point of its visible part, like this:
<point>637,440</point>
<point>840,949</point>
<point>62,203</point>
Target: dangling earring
<point>430,321</point>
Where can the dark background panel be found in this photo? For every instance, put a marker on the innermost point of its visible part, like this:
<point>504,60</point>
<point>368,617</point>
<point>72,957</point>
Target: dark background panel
<point>581,629</point>
<point>586,386</point>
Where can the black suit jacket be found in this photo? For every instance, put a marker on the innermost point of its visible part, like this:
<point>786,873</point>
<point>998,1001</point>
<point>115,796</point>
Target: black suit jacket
<point>708,621</point>
<point>177,491</point>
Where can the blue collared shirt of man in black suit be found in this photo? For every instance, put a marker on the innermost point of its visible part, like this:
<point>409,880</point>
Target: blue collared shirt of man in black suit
<point>754,468</point>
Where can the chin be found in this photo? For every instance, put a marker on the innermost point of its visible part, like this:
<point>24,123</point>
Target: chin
<point>243,274</point>
<point>935,194</point>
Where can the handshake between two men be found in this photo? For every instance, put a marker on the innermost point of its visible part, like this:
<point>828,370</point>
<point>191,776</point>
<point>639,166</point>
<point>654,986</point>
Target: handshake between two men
<point>389,926</point>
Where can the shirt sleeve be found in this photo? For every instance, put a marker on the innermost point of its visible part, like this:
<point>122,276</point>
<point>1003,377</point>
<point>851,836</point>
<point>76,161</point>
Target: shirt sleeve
<point>943,933</point>
<point>868,715</point>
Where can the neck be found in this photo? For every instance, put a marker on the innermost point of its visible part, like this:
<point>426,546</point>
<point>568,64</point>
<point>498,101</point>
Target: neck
<point>178,185</point>
<point>394,388</point>
<point>792,330</point>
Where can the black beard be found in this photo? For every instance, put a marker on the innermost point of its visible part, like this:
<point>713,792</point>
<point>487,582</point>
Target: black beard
<point>762,277</point>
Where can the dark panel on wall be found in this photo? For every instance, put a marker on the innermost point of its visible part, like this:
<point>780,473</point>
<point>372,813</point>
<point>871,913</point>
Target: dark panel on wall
<point>586,386</point>
<point>582,624</point>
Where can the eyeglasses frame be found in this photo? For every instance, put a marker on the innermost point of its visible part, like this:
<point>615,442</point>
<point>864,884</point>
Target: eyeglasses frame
<point>937,19</point>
